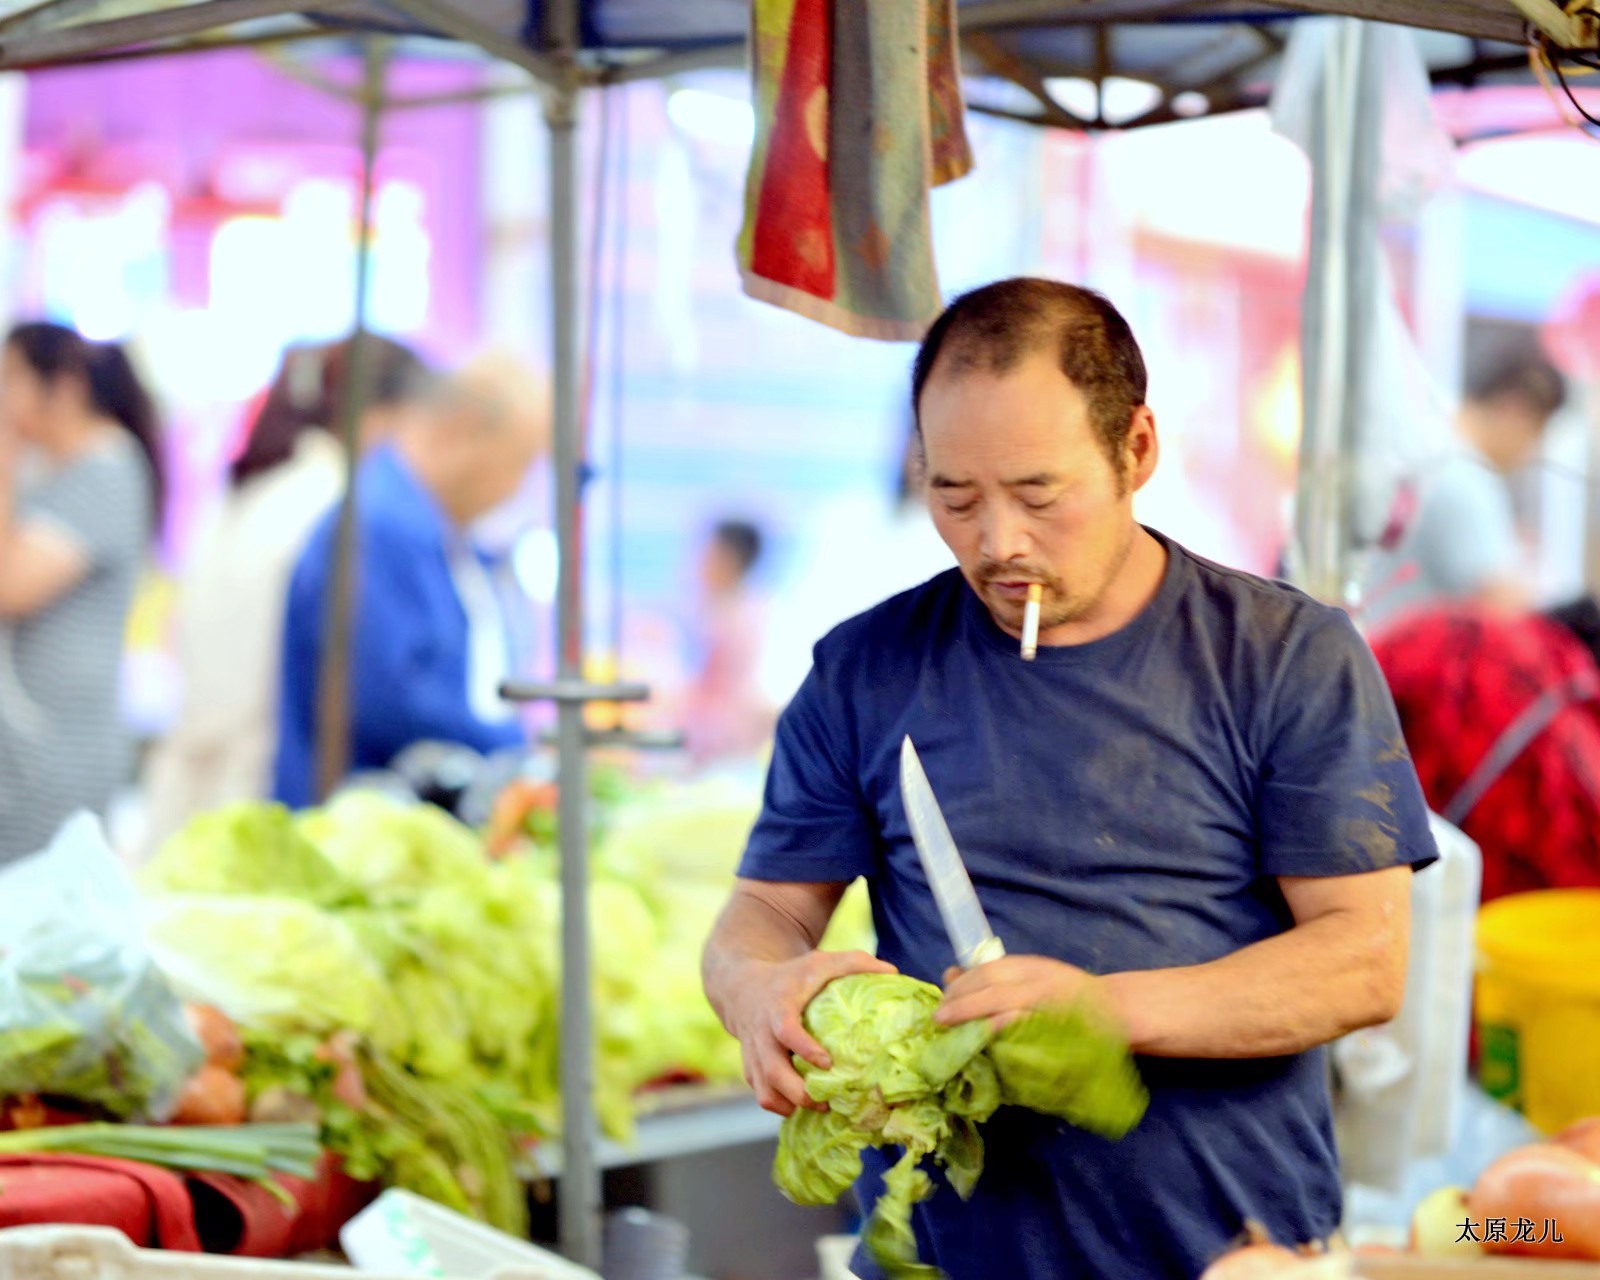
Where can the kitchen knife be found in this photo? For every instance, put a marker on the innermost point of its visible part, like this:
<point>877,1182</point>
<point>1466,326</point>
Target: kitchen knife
<point>964,921</point>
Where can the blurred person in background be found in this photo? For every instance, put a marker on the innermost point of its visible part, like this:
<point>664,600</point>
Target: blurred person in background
<point>1501,713</point>
<point>1460,539</point>
<point>438,615</point>
<point>725,715</point>
<point>230,614</point>
<point>74,536</point>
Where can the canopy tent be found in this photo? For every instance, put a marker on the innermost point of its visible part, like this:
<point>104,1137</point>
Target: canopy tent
<point>1223,50</point>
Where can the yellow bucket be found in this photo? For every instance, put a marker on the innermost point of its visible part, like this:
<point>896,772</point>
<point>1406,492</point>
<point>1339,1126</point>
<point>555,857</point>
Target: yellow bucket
<point>1537,1004</point>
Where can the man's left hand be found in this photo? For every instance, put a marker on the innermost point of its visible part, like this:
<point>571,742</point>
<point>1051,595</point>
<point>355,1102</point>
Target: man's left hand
<point>1004,990</point>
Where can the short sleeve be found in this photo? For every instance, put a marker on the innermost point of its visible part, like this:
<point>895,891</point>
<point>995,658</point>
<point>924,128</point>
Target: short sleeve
<point>102,505</point>
<point>1338,792</point>
<point>815,826</point>
<point>1466,533</point>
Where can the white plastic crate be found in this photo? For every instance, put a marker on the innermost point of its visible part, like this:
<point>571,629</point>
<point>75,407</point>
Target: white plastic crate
<point>103,1253</point>
<point>833,1257</point>
<point>400,1234</point>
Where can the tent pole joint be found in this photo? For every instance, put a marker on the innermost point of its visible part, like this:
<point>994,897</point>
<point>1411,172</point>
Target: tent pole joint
<point>1569,30</point>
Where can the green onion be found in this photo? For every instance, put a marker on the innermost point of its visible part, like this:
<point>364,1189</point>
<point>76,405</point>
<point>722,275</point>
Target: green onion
<point>251,1151</point>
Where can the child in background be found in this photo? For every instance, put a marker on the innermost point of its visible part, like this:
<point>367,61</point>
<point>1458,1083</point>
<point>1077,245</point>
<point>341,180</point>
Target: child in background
<point>725,715</point>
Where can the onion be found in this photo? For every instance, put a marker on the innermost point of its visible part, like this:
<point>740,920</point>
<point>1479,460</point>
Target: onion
<point>218,1035</point>
<point>212,1096</point>
<point>1542,1182</point>
<point>1582,1137</point>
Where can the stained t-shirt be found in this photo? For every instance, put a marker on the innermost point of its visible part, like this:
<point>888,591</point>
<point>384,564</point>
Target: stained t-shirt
<point>1121,805</point>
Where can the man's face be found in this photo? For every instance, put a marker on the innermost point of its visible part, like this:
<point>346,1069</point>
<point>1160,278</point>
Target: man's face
<point>1022,491</point>
<point>493,458</point>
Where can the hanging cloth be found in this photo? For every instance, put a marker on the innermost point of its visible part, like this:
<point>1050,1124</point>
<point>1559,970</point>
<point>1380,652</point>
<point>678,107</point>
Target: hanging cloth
<point>858,116</point>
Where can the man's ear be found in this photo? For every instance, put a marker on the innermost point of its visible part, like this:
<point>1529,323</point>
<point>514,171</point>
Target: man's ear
<point>1142,450</point>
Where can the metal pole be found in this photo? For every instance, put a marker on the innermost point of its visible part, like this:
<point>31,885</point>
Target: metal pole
<point>338,606</point>
<point>1363,250</point>
<point>1322,483</point>
<point>580,1181</point>
<point>456,22</point>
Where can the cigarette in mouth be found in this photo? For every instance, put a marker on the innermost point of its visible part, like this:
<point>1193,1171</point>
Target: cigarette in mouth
<point>1030,622</point>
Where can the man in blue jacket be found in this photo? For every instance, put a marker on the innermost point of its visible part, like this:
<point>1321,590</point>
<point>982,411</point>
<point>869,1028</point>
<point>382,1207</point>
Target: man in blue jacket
<point>1194,806</point>
<point>435,615</point>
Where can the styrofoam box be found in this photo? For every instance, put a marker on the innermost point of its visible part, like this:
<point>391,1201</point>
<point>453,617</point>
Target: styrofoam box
<point>405,1235</point>
<point>834,1254</point>
<point>103,1253</point>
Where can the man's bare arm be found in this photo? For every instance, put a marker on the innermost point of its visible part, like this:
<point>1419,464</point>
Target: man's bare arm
<point>1340,968</point>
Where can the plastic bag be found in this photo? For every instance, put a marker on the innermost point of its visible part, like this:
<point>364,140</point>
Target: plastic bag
<point>1484,1130</point>
<point>85,1015</point>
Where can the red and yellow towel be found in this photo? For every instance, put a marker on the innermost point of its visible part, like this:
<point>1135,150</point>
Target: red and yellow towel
<point>858,115</point>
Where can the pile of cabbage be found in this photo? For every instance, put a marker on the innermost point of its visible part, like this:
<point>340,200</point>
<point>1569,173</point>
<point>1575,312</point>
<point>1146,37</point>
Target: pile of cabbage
<point>390,923</point>
<point>900,1080</point>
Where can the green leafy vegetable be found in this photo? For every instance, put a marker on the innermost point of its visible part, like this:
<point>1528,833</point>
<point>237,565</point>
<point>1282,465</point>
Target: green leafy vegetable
<point>892,1070</point>
<point>447,964</point>
<point>246,849</point>
<point>272,962</point>
<point>819,1157</point>
<point>899,1080</point>
<point>394,851</point>
<point>1070,1063</point>
<point>888,1235</point>
<point>84,1025</point>
<point>29,1055</point>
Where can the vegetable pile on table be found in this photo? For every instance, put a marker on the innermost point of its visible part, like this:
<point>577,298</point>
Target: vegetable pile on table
<point>398,984</point>
<point>900,1080</point>
<point>1551,1188</point>
<point>1519,1205</point>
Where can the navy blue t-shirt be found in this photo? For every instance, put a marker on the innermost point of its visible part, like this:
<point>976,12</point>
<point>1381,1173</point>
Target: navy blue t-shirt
<point>1121,805</point>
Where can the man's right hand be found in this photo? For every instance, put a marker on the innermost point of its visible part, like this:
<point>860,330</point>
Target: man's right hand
<point>764,1010</point>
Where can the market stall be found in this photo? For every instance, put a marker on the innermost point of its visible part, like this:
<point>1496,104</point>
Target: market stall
<point>570,47</point>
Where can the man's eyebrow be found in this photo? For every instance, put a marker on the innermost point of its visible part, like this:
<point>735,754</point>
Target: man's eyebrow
<point>1043,480</point>
<point>937,481</point>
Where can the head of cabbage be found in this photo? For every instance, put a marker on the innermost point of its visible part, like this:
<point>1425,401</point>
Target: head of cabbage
<point>900,1080</point>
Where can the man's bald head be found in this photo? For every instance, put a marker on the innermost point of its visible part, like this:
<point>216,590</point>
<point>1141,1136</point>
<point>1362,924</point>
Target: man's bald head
<point>481,429</point>
<point>495,392</point>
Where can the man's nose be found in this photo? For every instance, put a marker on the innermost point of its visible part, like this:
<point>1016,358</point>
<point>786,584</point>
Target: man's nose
<point>1005,535</point>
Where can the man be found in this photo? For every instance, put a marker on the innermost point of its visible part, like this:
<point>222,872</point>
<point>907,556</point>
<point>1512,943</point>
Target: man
<point>1194,806</point>
<point>434,614</point>
<point>1502,710</point>
<point>230,617</point>
<point>1460,543</point>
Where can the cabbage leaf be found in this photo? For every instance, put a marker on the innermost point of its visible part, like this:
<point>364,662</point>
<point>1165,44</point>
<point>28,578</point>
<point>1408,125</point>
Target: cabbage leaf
<point>899,1080</point>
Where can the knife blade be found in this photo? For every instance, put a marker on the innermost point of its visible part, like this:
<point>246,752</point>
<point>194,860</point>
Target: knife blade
<point>959,908</point>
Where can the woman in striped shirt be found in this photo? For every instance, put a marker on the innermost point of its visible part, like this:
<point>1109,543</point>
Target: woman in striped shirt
<point>74,533</point>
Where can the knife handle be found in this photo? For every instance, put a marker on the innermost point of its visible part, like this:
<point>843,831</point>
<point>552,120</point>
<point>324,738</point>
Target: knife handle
<point>991,948</point>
